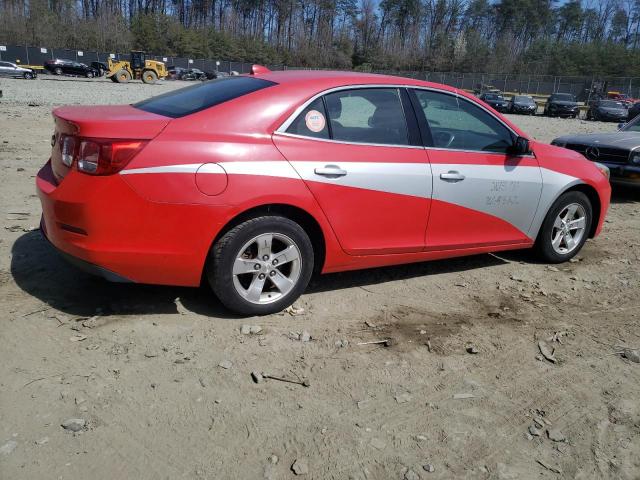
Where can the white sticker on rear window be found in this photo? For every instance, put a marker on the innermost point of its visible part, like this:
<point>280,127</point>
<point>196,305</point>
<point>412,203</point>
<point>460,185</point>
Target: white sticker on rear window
<point>315,121</point>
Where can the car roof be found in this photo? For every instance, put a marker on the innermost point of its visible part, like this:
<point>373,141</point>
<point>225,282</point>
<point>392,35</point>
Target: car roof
<point>323,79</point>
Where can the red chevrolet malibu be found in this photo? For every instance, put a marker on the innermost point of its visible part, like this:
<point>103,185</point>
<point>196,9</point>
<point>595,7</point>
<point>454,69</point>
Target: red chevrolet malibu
<point>254,182</point>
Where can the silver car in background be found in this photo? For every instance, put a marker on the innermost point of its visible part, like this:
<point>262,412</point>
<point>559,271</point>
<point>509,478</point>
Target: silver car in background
<point>8,69</point>
<point>620,151</point>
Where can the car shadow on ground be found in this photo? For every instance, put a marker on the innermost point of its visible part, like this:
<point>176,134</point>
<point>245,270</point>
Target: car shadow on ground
<point>42,273</point>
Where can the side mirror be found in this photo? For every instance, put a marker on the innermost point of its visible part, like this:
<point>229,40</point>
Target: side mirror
<point>520,146</point>
<point>621,125</point>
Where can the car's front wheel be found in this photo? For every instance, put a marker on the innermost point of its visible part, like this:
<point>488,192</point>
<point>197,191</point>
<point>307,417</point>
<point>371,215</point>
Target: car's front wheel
<point>28,76</point>
<point>565,228</point>
<point>261,266</point>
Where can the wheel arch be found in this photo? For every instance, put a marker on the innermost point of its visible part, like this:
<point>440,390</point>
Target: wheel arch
<point>594,198</point>
<point>303,218</point>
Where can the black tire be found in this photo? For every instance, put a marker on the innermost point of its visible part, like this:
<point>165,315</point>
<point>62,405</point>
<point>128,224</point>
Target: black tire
<point>149,76</point>
<point>89,74</point>
<point>57,71</point>
<point>122,76</point>
<point>221,259</point>
<point>28,76</point>
<point>543,246</point>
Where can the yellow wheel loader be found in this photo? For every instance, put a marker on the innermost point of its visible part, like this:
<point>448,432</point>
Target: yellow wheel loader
<point>139,68</point>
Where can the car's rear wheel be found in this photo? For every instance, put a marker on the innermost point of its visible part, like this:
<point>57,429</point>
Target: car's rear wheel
<point>89,74</point>
<point>57,71</point>
<point>565,228</point>
<point>261,266</point>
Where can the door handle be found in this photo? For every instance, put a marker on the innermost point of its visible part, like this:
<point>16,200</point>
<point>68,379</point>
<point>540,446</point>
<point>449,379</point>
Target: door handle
<point>452,176</point>
<point>330,171</point>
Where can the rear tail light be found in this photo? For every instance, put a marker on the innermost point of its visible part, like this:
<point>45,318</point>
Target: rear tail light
<point>97,156</point>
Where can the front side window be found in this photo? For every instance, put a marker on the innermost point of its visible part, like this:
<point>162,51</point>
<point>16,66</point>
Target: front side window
<point>362,115</point>
<point>458,124</point>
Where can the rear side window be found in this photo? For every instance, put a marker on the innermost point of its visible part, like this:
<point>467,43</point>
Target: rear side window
<point>362,115</point>
<point>186,101</point>
<point>367,115</point>
<point>312,121</point>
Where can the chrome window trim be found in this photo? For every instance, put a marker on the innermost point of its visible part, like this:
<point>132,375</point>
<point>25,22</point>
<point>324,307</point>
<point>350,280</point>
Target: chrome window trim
<point>344,142</point>
<point>282,129</point>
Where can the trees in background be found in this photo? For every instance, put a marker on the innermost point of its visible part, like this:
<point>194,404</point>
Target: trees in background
<point>503,36</point>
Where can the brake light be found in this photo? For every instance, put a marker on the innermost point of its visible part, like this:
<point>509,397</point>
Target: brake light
<point>97,156</point>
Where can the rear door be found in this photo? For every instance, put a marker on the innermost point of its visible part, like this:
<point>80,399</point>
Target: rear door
<point>482,194</point>
<point>359,152</point>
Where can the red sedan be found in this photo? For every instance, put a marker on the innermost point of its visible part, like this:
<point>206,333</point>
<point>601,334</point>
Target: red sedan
<point>254,182</point>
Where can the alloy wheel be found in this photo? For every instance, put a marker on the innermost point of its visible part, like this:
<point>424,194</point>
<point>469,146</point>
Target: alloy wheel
<point>267,268</point>
<point>568,229</point>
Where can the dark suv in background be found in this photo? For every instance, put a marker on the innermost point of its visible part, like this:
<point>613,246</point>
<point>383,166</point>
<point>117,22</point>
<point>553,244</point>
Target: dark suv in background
<point>69,67</point>
<point>562,105</point>
<point>496,101</point>
<point>523,104</point>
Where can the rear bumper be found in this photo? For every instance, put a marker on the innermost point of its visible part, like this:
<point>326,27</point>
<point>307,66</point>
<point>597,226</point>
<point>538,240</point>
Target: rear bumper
<point>103,226</point>
<point>80,264</point>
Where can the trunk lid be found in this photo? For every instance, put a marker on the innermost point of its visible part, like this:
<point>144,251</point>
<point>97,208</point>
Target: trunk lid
<point>117,122</point>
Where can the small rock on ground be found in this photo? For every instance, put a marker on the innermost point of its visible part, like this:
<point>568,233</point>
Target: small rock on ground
<point>300,467</point>
<point>411,475</point>
<point>429,468</point>
<point>633,355</point>
<point>556,435</point>
<point>226,364</point>
<point>74,424</point>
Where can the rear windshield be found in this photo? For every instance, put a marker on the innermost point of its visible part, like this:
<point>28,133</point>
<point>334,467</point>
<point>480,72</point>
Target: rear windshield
<point>522,99</point>
<point>186,101</point>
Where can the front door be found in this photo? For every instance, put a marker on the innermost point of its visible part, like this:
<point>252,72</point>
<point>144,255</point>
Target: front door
<point>482,195</point>
<point>358,151</point>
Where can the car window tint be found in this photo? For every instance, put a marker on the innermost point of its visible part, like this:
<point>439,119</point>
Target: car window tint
<point>186,101</point>
<point>367,115</point>
<point>457,124</point>
<point>312,121</point>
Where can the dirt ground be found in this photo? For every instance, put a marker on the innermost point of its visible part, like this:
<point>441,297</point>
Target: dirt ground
<point>161,376</point>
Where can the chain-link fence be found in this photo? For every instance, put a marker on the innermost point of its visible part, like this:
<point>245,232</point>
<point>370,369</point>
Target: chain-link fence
<point>530,84</point>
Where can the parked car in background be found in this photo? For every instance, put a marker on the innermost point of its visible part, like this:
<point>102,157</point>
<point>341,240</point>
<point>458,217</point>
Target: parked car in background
<point>175,73</point>
<point>101,67</point>
<point>633,112</point>
<point>337,171</point>
<point>562,105</point>
<point>607,110</point>
<point>193,74</point>
<point>523,104</point>
<point>496,101</point>
<point>620,151</point>
<point>70,67</point>
<point>8,69</point>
